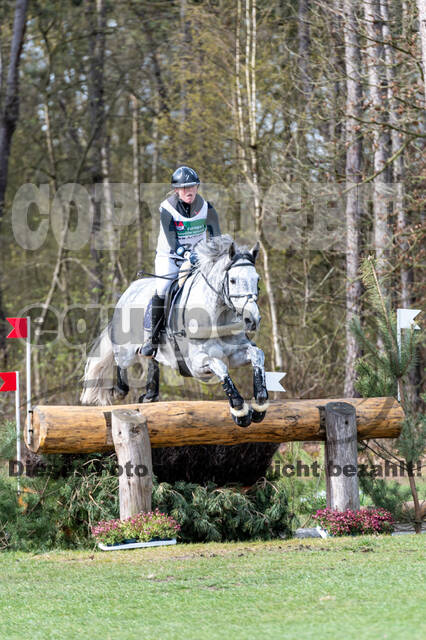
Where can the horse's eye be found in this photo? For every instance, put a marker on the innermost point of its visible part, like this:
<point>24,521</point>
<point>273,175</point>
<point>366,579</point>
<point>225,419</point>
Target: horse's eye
<point>233,281</point>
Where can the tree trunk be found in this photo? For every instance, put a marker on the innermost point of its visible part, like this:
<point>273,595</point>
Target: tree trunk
<point>377,109</point>
<point>417,507</point>
<point>353,177</point>
<point>397,141</point>
<point>8,122</point>
<point>249,159</point>
<point>96,19</point>
<point>421,6</point>
<point>136,178</point>
<point>303,47</point>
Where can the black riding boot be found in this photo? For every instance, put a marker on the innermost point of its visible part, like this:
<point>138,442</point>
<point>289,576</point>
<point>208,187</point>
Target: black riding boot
<point>157,318</point>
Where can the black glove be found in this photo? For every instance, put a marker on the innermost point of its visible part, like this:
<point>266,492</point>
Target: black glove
<point>191,256</point>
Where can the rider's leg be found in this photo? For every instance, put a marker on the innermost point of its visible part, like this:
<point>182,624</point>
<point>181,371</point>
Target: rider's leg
<point>157,320</point>
<point>164,266</point>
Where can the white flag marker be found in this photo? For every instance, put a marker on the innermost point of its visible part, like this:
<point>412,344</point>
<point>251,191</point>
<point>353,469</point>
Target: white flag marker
<point>273,380</point>
<point>28,378</point>
<point>18,431</point>
<point>405,320</point>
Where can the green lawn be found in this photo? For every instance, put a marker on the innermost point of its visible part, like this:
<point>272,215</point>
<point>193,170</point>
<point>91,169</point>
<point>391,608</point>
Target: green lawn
<point>360,588</point>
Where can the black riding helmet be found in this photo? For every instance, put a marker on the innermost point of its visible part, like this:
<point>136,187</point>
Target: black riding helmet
<point>185,177</point>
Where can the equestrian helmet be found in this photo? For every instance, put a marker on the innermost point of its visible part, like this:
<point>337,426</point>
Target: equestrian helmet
<point>185,177</point>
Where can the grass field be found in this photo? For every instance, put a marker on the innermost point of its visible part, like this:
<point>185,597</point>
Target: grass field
<point>353,588</point>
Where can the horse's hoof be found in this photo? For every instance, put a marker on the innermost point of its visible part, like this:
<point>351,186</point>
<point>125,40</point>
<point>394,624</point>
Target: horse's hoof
<point>119,394</point>
<point>242,421</point>
<point>241,417</point>
<point>258,410</point>
<point>147,398</point>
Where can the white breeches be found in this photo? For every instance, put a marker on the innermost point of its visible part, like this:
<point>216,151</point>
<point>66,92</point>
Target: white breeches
<point>165,266</point>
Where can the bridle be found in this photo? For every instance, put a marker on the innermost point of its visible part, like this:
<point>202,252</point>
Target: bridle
<point>224,290</point>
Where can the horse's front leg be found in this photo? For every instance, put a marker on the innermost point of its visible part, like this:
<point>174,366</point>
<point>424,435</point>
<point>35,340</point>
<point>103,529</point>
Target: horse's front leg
<point>240,411</point>
<point>259,403</point>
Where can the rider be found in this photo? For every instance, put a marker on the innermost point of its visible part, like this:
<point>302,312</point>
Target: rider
<point>185,219</point>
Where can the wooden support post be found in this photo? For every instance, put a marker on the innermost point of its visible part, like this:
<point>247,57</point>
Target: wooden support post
<point>133,448</point>
<point>341,456</point>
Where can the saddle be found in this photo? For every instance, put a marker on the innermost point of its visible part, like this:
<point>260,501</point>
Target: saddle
<point>170,328</point>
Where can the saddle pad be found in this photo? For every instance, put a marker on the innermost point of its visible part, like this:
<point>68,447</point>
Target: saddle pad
<point>147,318</point>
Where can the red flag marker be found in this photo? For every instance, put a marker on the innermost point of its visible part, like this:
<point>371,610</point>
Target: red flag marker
<point>9,380</point>
<point>20,329</point>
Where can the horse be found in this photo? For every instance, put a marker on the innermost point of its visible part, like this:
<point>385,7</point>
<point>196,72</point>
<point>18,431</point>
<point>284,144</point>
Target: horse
<point>207,321</point>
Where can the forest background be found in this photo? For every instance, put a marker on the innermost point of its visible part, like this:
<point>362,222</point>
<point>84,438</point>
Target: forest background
<point>305,121</point>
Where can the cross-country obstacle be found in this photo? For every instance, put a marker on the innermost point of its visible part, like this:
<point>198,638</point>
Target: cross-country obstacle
<point>87,429</point>
<point>134,428</point>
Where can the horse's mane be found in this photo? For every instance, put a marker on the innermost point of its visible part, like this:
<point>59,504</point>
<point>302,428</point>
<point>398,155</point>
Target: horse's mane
<point>215,251</point>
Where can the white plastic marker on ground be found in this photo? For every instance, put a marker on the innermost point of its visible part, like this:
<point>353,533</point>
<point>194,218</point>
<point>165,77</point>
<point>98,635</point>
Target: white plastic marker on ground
<point>405,320</point>
<point>136,545</point>
<point>273,380</point>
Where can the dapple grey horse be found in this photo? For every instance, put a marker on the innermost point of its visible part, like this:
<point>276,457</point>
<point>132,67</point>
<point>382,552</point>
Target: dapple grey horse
<point>205,332</point>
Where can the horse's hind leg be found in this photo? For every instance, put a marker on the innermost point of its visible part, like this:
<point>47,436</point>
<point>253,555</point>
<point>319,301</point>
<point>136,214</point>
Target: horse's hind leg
<point>122,388</point>
<point>152,383</point>
<point>240,411</point>
<point>260,403</point>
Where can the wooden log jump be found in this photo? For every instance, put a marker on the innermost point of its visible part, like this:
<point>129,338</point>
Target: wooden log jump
<point>87,429</point>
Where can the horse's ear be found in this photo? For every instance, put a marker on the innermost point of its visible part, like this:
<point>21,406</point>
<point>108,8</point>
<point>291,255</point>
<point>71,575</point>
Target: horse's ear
<point>255,251</point>
<point>232,251</point>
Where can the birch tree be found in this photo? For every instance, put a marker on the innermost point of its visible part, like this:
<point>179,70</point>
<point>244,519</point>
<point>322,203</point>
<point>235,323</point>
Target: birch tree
<point>102,230</point>
<point>421,6</point>
<point>397,147</point>
<point>248,143</point>
<point>374,60</point>
<point>353,177</point>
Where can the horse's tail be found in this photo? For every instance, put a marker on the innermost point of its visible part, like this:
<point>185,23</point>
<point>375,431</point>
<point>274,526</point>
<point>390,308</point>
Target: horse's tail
<point>98,374</point>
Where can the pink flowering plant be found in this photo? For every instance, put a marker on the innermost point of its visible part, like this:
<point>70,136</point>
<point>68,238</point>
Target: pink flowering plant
<point>142,527</point>
<point>347,523</point>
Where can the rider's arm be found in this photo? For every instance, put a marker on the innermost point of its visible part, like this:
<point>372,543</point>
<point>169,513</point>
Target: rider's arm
<point>169,229</point>
<point>212,221</point>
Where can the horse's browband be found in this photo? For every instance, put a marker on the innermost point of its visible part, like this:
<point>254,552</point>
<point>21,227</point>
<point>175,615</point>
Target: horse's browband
<point>240,256</point>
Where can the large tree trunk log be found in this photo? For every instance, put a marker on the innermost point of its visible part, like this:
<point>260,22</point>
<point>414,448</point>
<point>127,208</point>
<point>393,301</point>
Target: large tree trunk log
<point>9,115</point>
<point>341,456</point>
<point>131,442</point>
<point>86,429</point>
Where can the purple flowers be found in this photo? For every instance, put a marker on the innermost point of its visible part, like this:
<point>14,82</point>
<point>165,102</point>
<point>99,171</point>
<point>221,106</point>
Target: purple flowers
<point>143,527</point>
<point>346,523</point>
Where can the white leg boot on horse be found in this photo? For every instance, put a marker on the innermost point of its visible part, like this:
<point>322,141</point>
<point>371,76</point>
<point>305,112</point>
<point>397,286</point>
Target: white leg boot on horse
<point>249,353</point>
<point>240,410</point>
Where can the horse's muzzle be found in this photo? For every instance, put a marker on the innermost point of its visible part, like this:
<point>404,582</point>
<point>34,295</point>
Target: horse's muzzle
<point>251,316</point>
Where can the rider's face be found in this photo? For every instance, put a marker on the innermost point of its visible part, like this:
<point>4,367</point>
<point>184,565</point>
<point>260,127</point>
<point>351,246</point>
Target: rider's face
<point>187,194</point>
